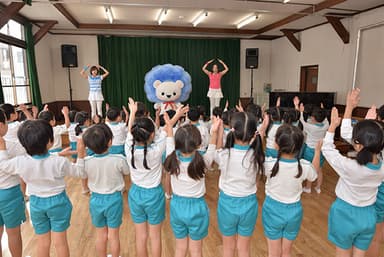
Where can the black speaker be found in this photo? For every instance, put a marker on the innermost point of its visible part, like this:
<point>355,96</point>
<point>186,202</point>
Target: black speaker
<point>69,55</point>
<point>252,58</point>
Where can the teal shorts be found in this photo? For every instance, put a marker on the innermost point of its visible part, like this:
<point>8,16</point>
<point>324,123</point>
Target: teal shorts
<point>50,213</point>
<point>281,220</point>
<point>350,225</point>
<point>379,205</point>
<point>237,215</point>
<point>117,149</point>
<point>189,217</point>
<point>309,153</point>
<point>73,146</point>
<point>270,152</point>
<point>106,209</point>
<point>147,204</point>
<point>12,207</point>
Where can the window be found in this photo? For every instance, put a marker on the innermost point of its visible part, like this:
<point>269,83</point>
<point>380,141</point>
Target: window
<point>13,67</point>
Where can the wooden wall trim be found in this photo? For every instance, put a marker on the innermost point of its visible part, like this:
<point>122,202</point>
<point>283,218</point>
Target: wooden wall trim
<point>9,12</point>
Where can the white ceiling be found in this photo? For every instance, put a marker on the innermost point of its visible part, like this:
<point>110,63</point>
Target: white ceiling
<point>222,13</point>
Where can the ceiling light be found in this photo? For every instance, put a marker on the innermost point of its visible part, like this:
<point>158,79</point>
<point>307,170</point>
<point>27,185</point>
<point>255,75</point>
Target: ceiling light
<point>247,20</point>
<point>286,1</point>
<point>160,18</point>
<point>199,18</point>
<point>109,14</point>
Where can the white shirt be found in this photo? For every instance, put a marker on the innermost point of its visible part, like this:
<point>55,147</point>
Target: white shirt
<point>71,132</point>
<point>57,132</point>
<point>314,131</point>
<point>14,148</point>
<point>140,175</point>
<point>183,185</point>
<point>358,184</point>
<point>346,130</point>
<point>104,172</point>
<point>284,187</point>
<point>272,134</point>
<point>119,131</point>
<point>44,174</point>
<point>204,136</point>
<point>237,171</point>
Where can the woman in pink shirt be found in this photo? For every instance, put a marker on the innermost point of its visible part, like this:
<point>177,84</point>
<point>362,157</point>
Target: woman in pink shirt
<point>214,92</point>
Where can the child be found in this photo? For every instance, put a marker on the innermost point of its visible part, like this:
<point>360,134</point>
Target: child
<point>239,162</point>
<point>227,128</point>
<point>193,116</point>
<point>12,207</point>
<point>189,214</point>
<point>352,217</point>
<point>82,121</point>
<point>105,180</point>
<point>314,130</point>
<point>50,207</point>
<point>49,117</point>
<point>119,130</point>
<point>146,195</point>
<point>71,132</point>
<point>274,124</point>
<point>282,209</point>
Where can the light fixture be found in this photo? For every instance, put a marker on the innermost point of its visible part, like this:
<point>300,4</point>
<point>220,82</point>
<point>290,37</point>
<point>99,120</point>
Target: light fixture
<point>109,14</point>
<point>160,18</point>
<point>286,1</point>
<point>199,18</point>
<point>247,20</point>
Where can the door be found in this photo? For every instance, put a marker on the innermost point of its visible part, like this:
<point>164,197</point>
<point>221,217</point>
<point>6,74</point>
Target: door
<point>308,78</point>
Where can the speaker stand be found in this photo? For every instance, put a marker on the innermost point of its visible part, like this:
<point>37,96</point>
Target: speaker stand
<point>251,97</point>
<point>70,88</point>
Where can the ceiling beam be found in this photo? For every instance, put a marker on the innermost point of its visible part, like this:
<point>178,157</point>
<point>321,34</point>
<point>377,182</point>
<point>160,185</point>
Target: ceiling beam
<point>43,30</point>
<point>60,7</point>
<point>167,28</point>
<point>310,10</point>
<point>339,28</point>
<point>289,33</point>
<point>9,12</point>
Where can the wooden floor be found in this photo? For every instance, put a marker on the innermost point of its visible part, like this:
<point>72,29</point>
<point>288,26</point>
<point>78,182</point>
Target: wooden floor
<point>311,242</point>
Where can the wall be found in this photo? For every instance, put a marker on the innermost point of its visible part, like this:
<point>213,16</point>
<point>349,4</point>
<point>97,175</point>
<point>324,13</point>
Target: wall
<point>320,46</point>
<point>261,75</point>
<point>48,56</point>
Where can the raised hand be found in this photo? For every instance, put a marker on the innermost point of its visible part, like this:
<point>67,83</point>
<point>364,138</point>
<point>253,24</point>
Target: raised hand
<point>372,113</point>
<point>216,124</point>
<point>335,120</point>
<point>45,107</point>
<point>353,98</point>
<point>132,105</point>
<point>239,107</point>
<point>65,110</point>
<point>278,102</point>
<point>296,102</point>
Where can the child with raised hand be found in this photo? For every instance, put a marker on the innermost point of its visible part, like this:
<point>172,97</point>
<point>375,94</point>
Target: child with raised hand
<point>58,130</point>
<point>119,129</point>
<point>12,207</point>
<point>352,217</point>
<point>282,209</point>
<point>189,214</point>
<point>146,196</point>
<point>315,131</point>
<point>193,116</point>
<point>275,117</point>
<point>50,207</point>
<point>240,163</point>
<point>105,173</point>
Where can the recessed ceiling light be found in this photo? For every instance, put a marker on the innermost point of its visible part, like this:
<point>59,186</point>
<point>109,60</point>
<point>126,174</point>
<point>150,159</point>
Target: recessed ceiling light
<point>181,17</point>
<point>109,14</point>
<point>247,20</point>
<point>286,1</point>
<point>160,18</point>
<point>199,18</point>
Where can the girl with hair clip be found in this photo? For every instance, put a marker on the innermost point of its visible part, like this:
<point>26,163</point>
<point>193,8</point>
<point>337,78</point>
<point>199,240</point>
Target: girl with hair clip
<point>146,196</point>
<point>95,94</point>
<point>346,129</point>
<point>240,162</point>
<point>185,166</point>
<point>274,116</point>
<point>282,212</point>
<point>352,217</point>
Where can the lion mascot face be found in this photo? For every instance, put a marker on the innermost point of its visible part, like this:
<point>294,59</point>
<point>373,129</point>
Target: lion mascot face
<point>167,86</point>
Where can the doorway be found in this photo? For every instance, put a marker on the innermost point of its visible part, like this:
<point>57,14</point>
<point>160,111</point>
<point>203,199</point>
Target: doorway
<point>309,78</point>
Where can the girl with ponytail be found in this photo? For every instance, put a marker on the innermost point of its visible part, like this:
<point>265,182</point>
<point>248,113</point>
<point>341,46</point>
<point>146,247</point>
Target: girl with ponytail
<point>352,217</point>
<point>282,209</point>
<point>185,166</point>
<point>146,196</point>
<point>240,163</point>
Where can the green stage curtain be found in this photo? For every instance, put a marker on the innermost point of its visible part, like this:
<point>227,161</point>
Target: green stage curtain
<point>128,59</point>
<point>31,62</point>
